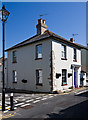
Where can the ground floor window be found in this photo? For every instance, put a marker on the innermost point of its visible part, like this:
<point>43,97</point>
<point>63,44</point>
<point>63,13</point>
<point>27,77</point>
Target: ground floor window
<point>14,76</point>
<point>39,77</point>
<point>64,76</point>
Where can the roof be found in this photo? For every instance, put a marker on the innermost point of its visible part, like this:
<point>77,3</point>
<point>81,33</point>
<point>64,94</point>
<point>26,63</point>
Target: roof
<point>44,36</point>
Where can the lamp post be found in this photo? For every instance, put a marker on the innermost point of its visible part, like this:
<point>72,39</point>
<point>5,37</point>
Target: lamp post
<point>3,17</point>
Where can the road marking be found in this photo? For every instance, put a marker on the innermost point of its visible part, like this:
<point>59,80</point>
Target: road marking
<point>36,101</point>
<point>43,98</point>
<point>25,105</point>
<point>6,95</point>
<point>81,92</point>
<point>7,102</point>
<point>29,100</point>
<point>50,96</point>
<point>19,104</point>
<point>55,95</point>
<point>38,98</point>
<point>8,107</point>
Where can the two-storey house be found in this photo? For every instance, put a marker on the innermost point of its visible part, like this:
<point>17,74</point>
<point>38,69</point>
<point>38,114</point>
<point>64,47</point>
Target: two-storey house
<point>45,62</point>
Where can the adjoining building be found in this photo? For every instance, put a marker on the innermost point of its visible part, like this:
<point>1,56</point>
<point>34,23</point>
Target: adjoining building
<point>45,62</point>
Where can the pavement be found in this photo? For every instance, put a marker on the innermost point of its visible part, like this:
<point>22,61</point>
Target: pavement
<point>22,100</point>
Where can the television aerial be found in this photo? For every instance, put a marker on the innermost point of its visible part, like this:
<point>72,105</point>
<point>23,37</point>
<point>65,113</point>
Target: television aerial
<point>42,15</point>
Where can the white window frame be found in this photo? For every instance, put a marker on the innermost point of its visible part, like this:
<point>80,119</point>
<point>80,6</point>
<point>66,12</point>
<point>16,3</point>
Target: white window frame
<point>63,51</point>
<point>14,76</point>
<point>64,76</point>
<point>39,77</point>
<point>38,52</point>
<point>14,56</point>
<point>74,54</point>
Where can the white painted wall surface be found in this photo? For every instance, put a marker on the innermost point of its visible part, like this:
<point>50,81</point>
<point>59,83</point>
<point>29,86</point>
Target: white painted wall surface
<point>59,64</point>
<point>26,67</point>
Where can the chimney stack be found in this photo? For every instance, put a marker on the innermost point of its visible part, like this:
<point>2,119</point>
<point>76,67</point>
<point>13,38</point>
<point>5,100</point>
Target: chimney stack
<point>41,26</point>
<point>72,40</point>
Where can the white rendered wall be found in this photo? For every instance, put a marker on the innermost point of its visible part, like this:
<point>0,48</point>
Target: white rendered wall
<point>59,64</point>
<point>26,67</point>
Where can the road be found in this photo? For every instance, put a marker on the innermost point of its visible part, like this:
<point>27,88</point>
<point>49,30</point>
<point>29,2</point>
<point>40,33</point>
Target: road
<point>59,106</point>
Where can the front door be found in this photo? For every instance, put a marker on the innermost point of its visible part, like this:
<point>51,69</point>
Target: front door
<point>75,78</point>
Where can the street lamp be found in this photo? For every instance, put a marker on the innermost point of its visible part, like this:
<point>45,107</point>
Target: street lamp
<point>3,17</point>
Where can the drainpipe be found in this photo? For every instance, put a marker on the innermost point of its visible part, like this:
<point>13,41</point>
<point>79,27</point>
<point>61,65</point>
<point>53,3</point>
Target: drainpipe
<point>51,69</point>
<point>73,77</point>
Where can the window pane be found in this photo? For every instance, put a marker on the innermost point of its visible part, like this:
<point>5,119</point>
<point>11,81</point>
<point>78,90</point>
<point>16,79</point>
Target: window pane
<point>14,56</point>
<point>74,56</point>
<point>64,76</point>
<point>39,51</point>
<point>38,76</point>
<point>63,51</point>
<point>14,76</point>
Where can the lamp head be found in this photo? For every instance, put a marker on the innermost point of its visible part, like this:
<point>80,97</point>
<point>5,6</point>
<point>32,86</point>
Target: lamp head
<point>4,14</point>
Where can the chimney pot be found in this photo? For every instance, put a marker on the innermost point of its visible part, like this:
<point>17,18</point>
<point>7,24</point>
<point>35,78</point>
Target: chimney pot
<point>43,21</point>
<point>72,40</point>
<point>39,21</point>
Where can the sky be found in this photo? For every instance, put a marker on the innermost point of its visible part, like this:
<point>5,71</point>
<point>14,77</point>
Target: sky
<point>63,18</point>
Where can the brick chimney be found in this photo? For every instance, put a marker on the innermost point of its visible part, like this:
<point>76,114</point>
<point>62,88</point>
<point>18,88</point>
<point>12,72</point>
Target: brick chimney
<point>41,26</point>
<point>72,40</point>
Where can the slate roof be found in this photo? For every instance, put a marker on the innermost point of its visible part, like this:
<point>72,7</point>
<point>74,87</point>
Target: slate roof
<point>44,36</point>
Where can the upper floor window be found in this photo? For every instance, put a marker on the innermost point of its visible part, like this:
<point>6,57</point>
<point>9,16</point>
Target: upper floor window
<point>63,51</point>
<point>14,76</point>
<point>39,77</point>
<point>14,57</point>
<point>38,51</point>
<point>74,54</point>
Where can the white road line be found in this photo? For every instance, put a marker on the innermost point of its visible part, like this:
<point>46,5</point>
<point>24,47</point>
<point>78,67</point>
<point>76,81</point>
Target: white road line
<point>50,96</point>
<point>36,101</point>
<point>6,95</point>
<point>15,108</point>
<point>55,95</point>
<point>7,102</point>
<point>6,111</point>
<point>43,98</point>
<point>38,98</point>
<point>16,99</point>
<point>25,105</point>
<point>7,107</point>
<point>81,92</point>
<point>29,100</point>
<point>19,104</point>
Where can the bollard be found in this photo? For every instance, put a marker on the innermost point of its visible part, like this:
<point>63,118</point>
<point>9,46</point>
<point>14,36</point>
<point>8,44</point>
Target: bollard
<point>11,102</point>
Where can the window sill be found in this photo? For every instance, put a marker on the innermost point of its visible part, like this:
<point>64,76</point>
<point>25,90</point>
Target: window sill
<point>74,60</point>
<point>38,58</point>
<point>39,84</point>
<point>63,84</point>
<point>14,82</point>
<point>63,58</point>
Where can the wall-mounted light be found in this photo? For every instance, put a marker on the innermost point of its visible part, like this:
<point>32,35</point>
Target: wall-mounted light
<point>58,75</point>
